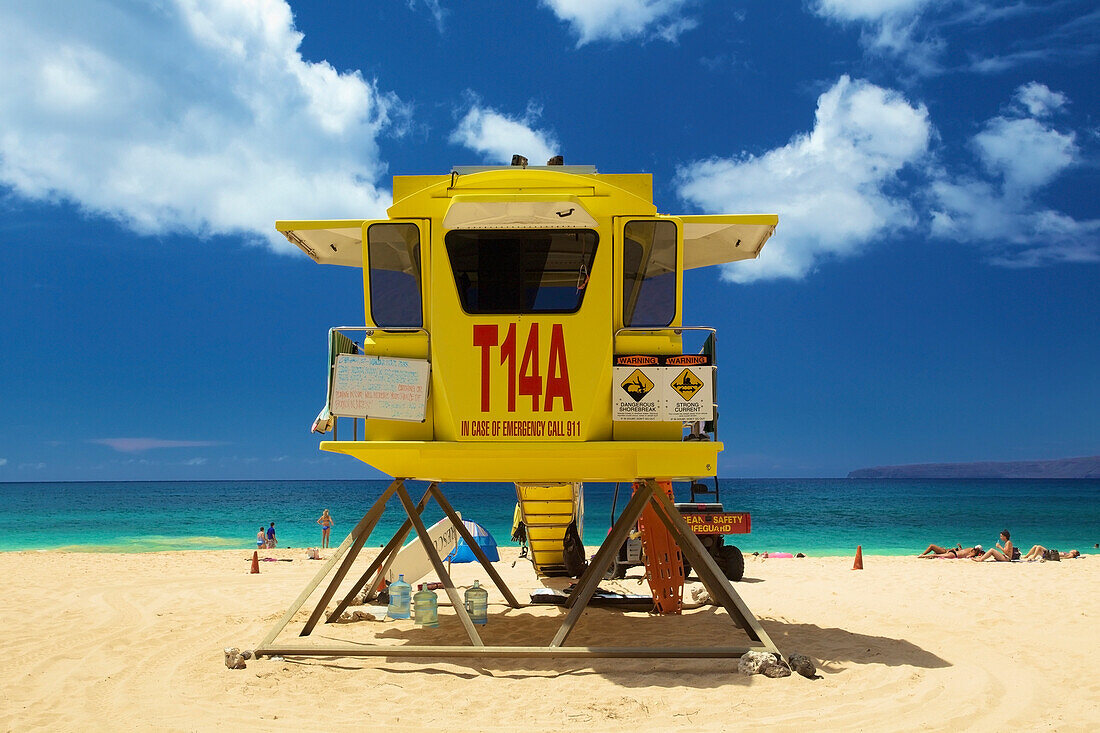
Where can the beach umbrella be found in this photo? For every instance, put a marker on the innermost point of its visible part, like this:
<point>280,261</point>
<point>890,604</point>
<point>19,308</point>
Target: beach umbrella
<point>484,540</point>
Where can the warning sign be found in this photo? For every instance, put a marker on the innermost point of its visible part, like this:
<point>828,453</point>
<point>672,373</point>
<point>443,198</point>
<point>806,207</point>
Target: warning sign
<point>637,385</point>
<point>636,395</point>
<point>691,394</point>
<point>662,393</point>
<point>686,384</point>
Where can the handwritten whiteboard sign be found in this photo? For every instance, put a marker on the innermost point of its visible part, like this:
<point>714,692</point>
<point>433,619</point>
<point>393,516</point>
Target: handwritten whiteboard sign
<point>380,387</point>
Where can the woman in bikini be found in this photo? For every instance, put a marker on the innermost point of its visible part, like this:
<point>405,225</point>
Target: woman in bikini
<point>957,553</point>
<point>325,520</point>
<point>1038,552</point>
<point>261,539</point>
<point>1000,553</point>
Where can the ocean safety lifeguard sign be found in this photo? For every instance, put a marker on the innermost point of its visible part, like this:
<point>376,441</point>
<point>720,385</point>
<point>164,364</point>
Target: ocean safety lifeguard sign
<point>380,387</point>
<point>662,388</point>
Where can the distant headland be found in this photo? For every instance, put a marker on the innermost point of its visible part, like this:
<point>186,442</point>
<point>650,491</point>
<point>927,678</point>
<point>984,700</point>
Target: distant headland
<point>1087,467</point>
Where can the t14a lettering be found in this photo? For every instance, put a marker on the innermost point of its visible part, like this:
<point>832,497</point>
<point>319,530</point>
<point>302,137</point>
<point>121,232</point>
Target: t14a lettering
<point>527,379</point>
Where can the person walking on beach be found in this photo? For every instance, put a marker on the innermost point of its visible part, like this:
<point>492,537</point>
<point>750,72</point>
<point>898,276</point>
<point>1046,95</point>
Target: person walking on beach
<point>325,520</point>
<point>271,541</point>
<point>261,539</point>
<point>1000,553</point>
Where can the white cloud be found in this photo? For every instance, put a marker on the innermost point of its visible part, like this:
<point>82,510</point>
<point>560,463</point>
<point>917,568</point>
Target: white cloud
<point>1039,100</point>
<point>194,115</point>
<point>891,28</point>
<point>1021,155</point>
<point>438,12</point>
<point>620,20</point>
<point>1027,153</point>
<point>830,186</point>
<point>848,10</point>
<point>1016,231</point>
<point>497,136</point>
<point>136,445</point>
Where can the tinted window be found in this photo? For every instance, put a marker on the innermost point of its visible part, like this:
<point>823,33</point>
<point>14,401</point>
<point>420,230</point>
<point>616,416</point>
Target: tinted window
<point>393,251</point>
<point>521,271</point>
<point>649,273</point>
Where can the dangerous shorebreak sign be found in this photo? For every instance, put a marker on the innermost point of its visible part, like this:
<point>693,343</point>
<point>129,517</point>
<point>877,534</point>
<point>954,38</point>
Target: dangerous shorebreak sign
<point>662,388</point>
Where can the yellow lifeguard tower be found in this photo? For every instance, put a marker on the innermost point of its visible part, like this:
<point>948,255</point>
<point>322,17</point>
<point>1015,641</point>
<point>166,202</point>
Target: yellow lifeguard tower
<point>525,324</point>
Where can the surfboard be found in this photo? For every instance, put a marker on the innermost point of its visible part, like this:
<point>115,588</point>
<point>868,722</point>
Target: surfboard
<point>413,562</point>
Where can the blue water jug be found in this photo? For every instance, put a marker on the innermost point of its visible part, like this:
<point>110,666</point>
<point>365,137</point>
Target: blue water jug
<point>477,603</point>
<point>425,608</point>
<point>399,592</point>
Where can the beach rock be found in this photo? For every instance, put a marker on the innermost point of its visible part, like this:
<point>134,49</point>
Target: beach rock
<point>803,666</point>
<point>246,654</point>
<point>233,658</point>
<point>776,668</point>
<point>699,594</point>
<point>753,662</point>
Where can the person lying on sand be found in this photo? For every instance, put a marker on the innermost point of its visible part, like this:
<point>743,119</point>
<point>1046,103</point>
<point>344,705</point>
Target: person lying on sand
<point>1038,552</point>
<point>1000,553</point>
<point>937,550</point>
<point>959,553</point>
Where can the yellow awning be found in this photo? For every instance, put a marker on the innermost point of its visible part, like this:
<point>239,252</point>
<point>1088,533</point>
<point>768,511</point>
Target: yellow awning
<point>716,239</point>
<point>331,242</point>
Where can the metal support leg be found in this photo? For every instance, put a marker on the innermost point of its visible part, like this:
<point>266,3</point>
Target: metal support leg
<point>448,584</point>
<point>713,579</point>
<point>378,505</point>
<point>590,580</point>
<point>384,556</point>
<point>361,532</point>
<point>478,552</point>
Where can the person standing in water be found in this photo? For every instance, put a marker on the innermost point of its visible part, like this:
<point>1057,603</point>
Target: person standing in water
<point>261,539</point>
<point>271,541</point>
<point>325,520</point>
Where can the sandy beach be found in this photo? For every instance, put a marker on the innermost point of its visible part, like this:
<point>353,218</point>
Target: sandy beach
<point>134,642</point>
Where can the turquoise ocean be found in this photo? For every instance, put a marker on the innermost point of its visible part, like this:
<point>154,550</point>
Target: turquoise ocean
<point>814,516</point>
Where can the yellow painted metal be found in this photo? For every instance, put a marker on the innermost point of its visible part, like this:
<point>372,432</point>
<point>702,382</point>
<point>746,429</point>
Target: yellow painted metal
<point>534,461</point>
<point>527,397</point>
<point>547,509</point>
<point>326,241</point>
<point>714,239</point>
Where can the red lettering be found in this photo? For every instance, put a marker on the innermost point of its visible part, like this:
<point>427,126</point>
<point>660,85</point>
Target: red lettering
<point>508,354</point>
<point>485,336</point>
<point>528,377</point>
<point>529,381</point>
<point>557,372</point>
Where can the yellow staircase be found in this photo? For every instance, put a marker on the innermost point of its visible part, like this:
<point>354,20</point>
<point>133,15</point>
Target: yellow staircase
<point>547,509</point>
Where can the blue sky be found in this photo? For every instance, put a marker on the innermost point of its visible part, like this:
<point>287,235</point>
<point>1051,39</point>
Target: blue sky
<point>930,294</point>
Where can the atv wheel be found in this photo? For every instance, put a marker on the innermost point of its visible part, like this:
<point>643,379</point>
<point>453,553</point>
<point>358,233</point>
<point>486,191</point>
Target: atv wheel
<point>616,571</point>
<point>731,562</point>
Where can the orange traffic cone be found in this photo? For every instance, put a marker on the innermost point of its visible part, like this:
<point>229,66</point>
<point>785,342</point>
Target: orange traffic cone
<point>859,558</point>
<point>255,562</point>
